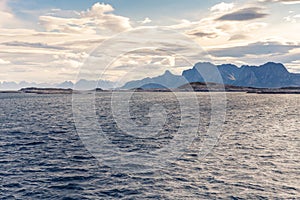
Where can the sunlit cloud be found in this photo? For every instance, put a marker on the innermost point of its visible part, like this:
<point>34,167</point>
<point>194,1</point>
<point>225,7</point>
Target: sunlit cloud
<point>57,45</point>
<point>222,7</point>
<point>147,20</point>
<point>4,62</point>
<point>293,18</point>
<point>97,20</point>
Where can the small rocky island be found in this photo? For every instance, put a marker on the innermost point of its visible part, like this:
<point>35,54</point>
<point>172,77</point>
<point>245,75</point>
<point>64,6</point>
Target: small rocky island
<point>34,90</point>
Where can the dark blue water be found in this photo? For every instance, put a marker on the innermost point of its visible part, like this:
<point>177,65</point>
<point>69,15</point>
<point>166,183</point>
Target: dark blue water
<point>256,157</point>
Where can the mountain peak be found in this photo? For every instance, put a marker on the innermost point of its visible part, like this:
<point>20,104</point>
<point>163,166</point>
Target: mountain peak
<point>271,66</point>
<point>167,72</point>
<point>167,80</point>
<point>273,63</point>
<point>205,64</point>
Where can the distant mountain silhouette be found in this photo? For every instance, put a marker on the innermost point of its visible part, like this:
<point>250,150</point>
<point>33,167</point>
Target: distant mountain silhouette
<point>167,80</point>
<point>152,85</point>
<point>66,85</point>
<point>80,85</point>
<point>269,75</point>
<point>90,85</point>
<point>23,84</point>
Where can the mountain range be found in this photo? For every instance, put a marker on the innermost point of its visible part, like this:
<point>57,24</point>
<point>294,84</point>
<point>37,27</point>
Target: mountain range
<point>269,75</point>
<point>80,85</point>
<point>167,80</point>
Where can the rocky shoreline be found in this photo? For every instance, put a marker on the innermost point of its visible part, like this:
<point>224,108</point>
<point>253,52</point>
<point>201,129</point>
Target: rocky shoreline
<point>192,87</point>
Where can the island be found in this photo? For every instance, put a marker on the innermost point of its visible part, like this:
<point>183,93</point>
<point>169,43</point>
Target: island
<point>35,90</point>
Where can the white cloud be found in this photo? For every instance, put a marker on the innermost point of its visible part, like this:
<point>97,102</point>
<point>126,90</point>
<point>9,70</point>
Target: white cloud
<point>97,20</point>
<point>292,18</point>
<point>57,53</point>
<point>226,20</point>
<point>6,16</point>
<point>222,7</point>
<point>4,62</point>
<point>169,61</point>
<point>98,9</point>
<point>147,20</point>
<point>255,26</point>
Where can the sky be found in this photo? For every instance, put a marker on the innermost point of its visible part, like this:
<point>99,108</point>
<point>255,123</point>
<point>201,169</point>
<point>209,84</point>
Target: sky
<point>54,40</point>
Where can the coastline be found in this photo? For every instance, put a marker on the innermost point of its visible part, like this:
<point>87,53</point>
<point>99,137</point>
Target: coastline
<point>192,87</point>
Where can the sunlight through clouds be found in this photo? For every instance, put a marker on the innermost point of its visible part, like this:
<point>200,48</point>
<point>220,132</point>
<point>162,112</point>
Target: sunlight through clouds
<point>61,40</point>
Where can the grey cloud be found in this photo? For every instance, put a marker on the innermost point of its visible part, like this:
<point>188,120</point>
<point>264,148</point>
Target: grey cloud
<point>19,69</point>
<point>258,48</point>
<point>243,15</point>
<point>203,34</point>
<point>123,67</point>
<point>33,45</point>
<point>281,1</point>
<point>83,42</point>
<point>238,37</point>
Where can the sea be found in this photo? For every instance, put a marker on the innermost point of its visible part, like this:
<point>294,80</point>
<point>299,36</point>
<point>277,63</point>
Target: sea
<point>155,145</point>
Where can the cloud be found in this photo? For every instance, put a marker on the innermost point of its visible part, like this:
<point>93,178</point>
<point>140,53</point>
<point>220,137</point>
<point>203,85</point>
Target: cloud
<point>4,62</point>
<point>203,29</point>
<point>212,31</point>
<point>293,18</point>
<point>258,48</point>
<point>81,44</point>
<point>222,7</point>
<point>98,9</point>
<point>238,37</point>
<point>169,61</point>
<point>243,14</point>
<point>255,26</point>
<point>199,33</point>
<point>55,48</point>
<point>97,20</point>
<point>66,25</point>
<point>33,45</point>
<point>7,18</point>
<point>147,20</point>
<point>281,1</point>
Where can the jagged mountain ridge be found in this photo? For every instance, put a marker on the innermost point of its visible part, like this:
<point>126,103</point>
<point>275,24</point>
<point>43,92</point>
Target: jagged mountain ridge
<point>167,80</point>
<point>269,75</point>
